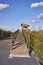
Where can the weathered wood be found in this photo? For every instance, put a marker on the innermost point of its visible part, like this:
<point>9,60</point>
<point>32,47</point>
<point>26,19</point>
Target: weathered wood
<point>14,36</point>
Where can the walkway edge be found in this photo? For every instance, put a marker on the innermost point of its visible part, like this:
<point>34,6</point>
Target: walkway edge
<point>11,56</point>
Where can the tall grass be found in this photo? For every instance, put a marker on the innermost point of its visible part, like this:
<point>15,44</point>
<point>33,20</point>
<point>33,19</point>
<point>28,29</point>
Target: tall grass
<point>35,40</point>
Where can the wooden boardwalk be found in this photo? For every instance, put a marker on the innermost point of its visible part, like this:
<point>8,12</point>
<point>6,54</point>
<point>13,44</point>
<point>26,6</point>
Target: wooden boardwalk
<point>20,50</point>
<point>20,47</point>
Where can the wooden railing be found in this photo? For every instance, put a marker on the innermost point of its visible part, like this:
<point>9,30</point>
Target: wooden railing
<point>26,34</point>
<point>13,37</point>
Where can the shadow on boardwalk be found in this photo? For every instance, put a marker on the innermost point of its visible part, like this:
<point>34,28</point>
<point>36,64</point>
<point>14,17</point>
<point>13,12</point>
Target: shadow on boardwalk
<point>17,45</point>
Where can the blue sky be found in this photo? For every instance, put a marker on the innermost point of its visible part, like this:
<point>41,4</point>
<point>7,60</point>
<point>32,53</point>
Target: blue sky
<point>15,12</point>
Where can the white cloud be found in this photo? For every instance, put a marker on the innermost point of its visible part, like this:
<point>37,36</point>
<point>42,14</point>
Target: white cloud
<point>40,16</point>
<point>32,21</point>
<point>33,5</point>
<point>2,6</point>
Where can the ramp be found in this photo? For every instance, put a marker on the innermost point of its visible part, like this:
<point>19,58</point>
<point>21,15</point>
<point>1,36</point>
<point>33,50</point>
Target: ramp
<point>20,47</point>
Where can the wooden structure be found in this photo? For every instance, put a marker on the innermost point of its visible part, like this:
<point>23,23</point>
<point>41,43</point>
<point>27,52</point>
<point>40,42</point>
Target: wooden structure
<point>14,36</point>
<point>25,32</point>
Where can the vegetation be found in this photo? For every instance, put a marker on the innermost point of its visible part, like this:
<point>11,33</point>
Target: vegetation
<point>35,40</point>
<point>4,34</point>
<point>36,43</point>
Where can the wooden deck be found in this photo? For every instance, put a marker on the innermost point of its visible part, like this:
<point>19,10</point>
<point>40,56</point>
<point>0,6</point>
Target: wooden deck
<point>20,47</point>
